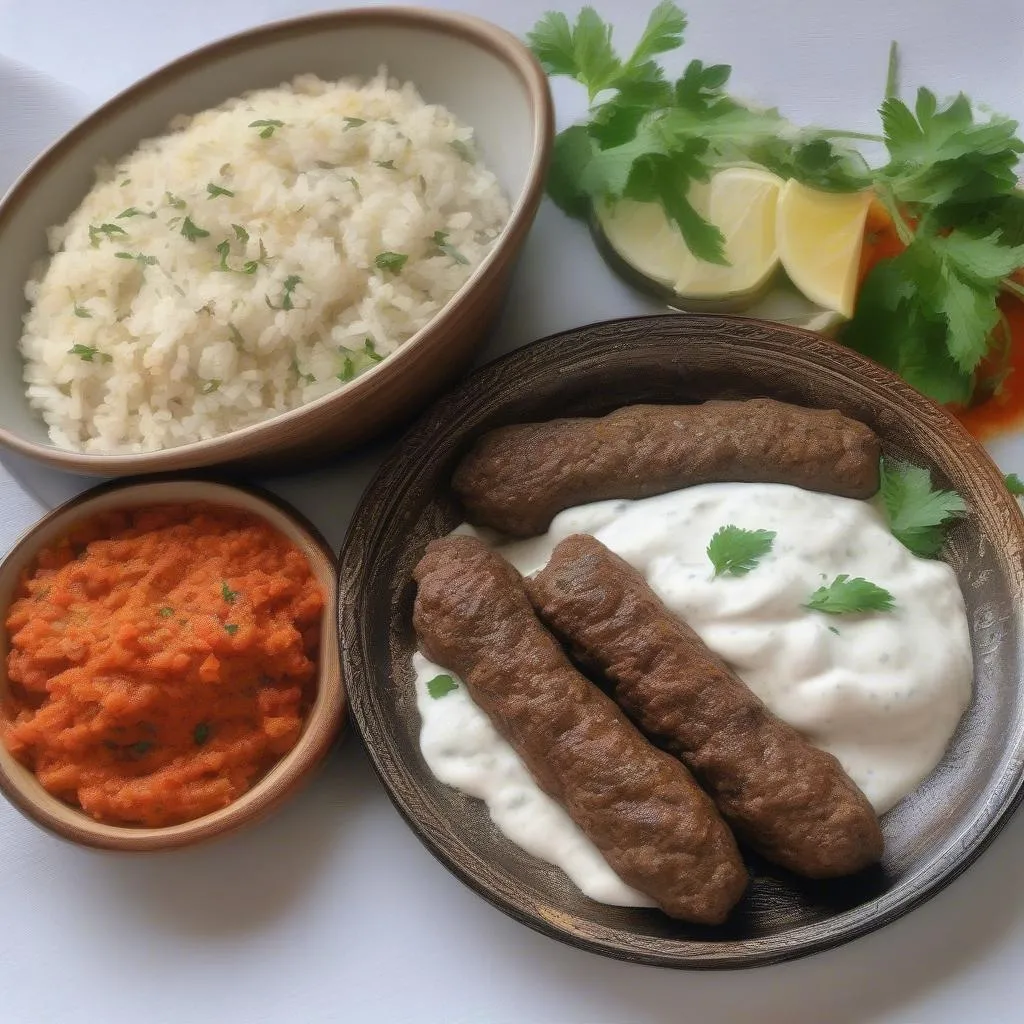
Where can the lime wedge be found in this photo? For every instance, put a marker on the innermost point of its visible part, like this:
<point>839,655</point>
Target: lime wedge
<point>644,237</point>
<point>740,202</point>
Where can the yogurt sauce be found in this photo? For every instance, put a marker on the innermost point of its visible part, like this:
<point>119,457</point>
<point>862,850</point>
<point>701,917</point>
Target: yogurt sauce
<point>883,692</point>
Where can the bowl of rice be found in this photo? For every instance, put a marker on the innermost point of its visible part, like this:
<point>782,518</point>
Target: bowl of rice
<point>271,249</point>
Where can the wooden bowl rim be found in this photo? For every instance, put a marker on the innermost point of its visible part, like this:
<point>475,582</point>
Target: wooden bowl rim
<point>245,441</point>
<point>324,721</point>
<point>392,478</point>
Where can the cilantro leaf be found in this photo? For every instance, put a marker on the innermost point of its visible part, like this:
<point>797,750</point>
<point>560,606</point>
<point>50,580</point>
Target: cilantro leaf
<point>392,261</point>
<point>441,686</point>
<point>227,593</point>
<point>89,355</point>
<point>440,239</point>
<point>1014,484</point>
<point>735,552</point>
<point>572,152</point>
<point>940,155</point>
<point>597,67</point>
<point>266,126</point>
<point>663,33</point>
<point>846,596</point>
<point>192,231</point>
<point>917,512</point>
<point>551,42</point>
<point>201,733</point>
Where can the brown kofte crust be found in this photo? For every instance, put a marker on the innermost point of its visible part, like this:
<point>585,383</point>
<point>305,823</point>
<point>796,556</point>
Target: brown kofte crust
<point>788,800</point>
<point>641,807</point>
<point>517,479</point>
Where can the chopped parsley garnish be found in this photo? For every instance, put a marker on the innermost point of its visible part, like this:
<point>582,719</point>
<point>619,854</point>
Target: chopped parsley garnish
<point>348,370</point>
<point>441,686</point>
<point>846,596</point>
<point>388,165</point>
<point>440,239</point>
<point>165,613</point>
<point>236,335</point>
<point>89,355</point>
<point>370,349</point>
<point>217,190</point>
<point>227,593</point>
<point>201,733</point>
<point>224,248</point>
<point>173,200</point>
<point>464,150</point>
<point>230,628</point>
<point>192,231</point>
<point>210,386</point>
<point>81,312</point>
<point>918,514</point>
<point>735,552</point>
<point>133,211</point>
<point>96,234</point>
<point>355,185</point>
<point>353,122</point>
<point>140,748</point>
<point>240,233</point>
<point>140,257</point>
<point>267,127</point>
<point>304,378</point>
<point>290,283</point>
<point>393,261</point>
<point>251,266</point>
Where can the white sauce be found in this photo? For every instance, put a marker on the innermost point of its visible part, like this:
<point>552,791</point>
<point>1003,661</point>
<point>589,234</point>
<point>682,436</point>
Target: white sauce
<point>883,693</point>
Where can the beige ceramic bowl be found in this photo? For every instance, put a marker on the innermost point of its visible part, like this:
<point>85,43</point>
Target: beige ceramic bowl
<point>480,72</point>
<point>324,719</point>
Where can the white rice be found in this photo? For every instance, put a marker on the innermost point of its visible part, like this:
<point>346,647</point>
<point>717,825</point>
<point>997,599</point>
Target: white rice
<point>128,354</point>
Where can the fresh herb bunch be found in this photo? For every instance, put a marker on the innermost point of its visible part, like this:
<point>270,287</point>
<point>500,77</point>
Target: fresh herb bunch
<point>950,187</point>
<point>649,138</point>
<point>949,184</point>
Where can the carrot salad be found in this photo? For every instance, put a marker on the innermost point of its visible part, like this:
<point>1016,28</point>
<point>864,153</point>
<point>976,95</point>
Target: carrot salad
<point>161,660</point>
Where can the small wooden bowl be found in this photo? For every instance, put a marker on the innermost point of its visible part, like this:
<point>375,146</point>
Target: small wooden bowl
<point>323,721</point>
<point>931,836</point>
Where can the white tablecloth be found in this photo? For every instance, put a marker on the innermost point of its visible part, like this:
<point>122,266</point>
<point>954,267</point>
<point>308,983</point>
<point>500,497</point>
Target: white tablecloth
<point>332,911</point>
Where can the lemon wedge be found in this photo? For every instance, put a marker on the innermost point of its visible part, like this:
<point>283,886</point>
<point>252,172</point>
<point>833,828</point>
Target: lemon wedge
<point>820,235</point>
<point>740,202</point>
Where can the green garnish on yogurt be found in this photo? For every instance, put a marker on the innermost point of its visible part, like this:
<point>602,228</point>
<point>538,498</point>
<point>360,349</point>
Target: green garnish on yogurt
<point>441,686</point>
<point>846,596</point>
<point>735,552</point>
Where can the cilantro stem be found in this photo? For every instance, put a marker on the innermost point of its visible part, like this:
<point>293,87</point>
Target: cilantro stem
<point>839,133</point>
<point>888,200</point>
<point>892,76</point>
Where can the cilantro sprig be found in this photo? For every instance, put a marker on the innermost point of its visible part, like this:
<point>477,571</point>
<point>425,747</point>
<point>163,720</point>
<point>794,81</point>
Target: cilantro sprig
<point>850,596</point>
<point>651,138</point>
<point>735,552</point>
<point>918,513</point>
<point>440,686</point>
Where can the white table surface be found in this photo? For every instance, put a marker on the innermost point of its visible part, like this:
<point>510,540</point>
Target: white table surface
<point>332,910</point>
